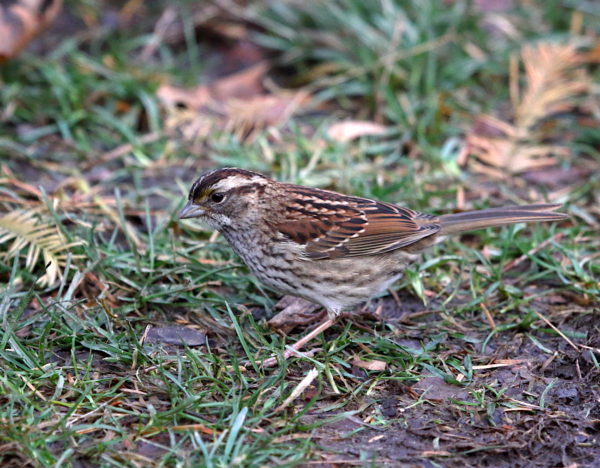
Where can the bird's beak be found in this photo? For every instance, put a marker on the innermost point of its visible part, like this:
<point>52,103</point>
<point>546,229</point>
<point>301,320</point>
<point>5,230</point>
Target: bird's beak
<point>190,210</point>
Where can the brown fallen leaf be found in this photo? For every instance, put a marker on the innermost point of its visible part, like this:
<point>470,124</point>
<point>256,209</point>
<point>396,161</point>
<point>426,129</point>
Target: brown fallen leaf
<point>246,117</point>
<point>344,132</point>
<point>552,82</point>
<point>374,365</point>
<point>243,84</point>
<point>21,21</point>
<point>499,149</point>
<point>237,103</point>
<point>176,335</point>
<point>435,453</point>
<point>94,288</point>
<point>557,177</point>
<point>435,388</point>
<point>593,55</point>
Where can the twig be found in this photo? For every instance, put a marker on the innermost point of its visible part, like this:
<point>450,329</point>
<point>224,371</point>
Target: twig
<point>548,361</point>
<point>565,337</point>
<point>122,150</point>
<point>537,248</point>
<point>166,20</point>
<point>488,316</point>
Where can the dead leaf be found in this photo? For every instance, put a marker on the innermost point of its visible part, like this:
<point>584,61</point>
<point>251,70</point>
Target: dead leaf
<point>165,23</point>
<point>246,117</point>
<point>593,56</point>
<point>557,177</point>
<point>194,427</point>
<point>238,103</point>
<point>369,365</point>
<point>435,453</point>
<point>435,388</point>
<point>177,335</point>
<point>21,21</point>
<point>243,84</point>
<point>498,144</point>
<point>344,132</point>
<point>95,289</point>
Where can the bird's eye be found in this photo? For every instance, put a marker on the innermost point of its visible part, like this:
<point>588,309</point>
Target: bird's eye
<point>217,197</point>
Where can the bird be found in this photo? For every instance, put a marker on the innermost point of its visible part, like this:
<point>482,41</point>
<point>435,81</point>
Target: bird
<point>332,249</point>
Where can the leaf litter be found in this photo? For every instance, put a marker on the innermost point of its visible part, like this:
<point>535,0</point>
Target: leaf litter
<point>239,103</point>
<point>21,21</point>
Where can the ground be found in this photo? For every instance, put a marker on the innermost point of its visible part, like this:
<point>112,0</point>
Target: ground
<point>130,338</point>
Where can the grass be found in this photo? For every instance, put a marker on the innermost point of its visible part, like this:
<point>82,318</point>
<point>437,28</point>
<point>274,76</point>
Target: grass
<point>81,385</point>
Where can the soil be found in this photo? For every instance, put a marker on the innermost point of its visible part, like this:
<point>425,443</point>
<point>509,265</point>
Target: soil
<point>440,432</point>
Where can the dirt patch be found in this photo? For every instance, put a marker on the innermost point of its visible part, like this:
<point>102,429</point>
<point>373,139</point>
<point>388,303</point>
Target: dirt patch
<point>531,409</point>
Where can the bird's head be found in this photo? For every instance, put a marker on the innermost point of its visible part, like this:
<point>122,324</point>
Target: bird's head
<point>225,197</point>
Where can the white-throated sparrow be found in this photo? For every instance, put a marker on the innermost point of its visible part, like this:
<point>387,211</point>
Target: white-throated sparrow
<point>332,249</point>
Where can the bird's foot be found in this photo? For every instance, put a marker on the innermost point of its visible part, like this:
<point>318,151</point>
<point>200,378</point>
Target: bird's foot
<point>295,312</point>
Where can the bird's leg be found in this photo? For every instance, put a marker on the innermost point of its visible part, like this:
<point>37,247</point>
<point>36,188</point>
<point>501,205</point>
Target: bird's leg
<point>331,319</point>
<point>309,336</point>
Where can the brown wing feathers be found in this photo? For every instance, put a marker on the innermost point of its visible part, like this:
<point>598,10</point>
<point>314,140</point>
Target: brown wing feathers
<point>332,225</point>
<point>350,226</point>
<point>390,227</point>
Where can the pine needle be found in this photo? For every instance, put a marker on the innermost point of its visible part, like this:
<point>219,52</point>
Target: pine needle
<point>27,230</point>
<point>554,80</point>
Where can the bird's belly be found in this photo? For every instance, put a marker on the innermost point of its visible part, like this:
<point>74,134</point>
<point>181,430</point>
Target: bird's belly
<point>336,284</point>
<point>340,284</point>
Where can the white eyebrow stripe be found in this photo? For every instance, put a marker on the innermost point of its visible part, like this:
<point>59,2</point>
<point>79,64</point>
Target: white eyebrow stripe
<point>231,182</point>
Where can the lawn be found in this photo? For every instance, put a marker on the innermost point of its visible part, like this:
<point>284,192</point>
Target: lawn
<point>132,338</point>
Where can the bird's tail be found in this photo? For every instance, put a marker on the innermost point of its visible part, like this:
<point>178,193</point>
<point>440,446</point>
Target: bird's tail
<point>472,220</point>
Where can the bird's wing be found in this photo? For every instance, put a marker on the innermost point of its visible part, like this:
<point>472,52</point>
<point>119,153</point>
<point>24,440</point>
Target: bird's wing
<point>333,225</point>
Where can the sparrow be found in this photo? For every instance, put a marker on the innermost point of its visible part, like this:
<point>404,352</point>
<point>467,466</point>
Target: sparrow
<point>332,249</point>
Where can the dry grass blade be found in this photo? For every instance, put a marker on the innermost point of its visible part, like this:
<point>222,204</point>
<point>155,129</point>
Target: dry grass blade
<point>306,381</point>
<point>40,237</point>
<point>554,81</point>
